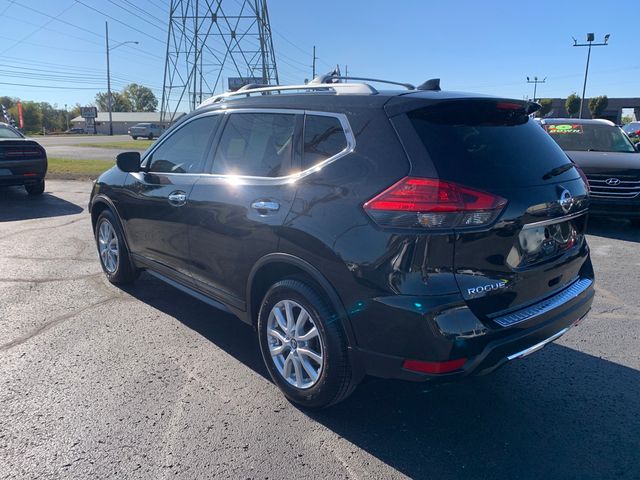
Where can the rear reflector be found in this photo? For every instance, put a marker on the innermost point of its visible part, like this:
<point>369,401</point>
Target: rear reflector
<point>434,367</point>
<point>432,203</point>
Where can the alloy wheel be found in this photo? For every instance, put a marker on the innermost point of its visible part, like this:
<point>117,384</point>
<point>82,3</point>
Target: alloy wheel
<point>108,246</point>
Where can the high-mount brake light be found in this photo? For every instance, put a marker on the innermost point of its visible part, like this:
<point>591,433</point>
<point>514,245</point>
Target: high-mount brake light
<point>509,106</point>
<point>431,203</point>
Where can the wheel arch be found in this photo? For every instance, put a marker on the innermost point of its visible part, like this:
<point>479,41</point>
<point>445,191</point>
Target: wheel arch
<point>277,266</point>
<point>99,204</point>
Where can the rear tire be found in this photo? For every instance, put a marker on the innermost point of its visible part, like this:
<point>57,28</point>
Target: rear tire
<point>112,249</point>
<point>150,137</point>
<point>35,189</point>
<point>306,356</point>
<point>134,137</point>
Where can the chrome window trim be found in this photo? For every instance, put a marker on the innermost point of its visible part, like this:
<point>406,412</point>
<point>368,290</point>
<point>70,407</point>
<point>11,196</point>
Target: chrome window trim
<point>257,180</point>
<point>552,221</point>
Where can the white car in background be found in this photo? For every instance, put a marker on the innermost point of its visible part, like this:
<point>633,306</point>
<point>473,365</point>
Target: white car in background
<point>145,130</point>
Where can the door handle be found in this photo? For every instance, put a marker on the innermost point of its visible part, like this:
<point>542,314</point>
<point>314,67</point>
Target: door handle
<point>265,206</point>
<point>177,199</point>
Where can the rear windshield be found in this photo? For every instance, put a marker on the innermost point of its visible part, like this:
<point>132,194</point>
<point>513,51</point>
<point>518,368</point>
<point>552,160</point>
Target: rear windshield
<point>590,138</point>
<point>489,143</point>
<point>6,132</point>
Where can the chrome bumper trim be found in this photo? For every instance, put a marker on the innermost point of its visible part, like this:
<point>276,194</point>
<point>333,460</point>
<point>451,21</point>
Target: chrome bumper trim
<point>538,346</point>
<point>545,306</point>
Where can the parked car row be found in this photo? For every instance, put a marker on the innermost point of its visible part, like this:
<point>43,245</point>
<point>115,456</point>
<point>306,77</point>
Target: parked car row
<point>422,235</point>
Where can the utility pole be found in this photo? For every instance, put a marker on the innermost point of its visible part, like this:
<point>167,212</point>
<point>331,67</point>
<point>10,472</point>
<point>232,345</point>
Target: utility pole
<point>66,114</point>
<point>106,28</point>
<point>314,62</point>
<point>535,82</point>
<point>590,39</point>
<point>109,100</point>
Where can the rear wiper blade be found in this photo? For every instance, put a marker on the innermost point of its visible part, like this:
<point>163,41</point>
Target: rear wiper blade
<point>554,172</point>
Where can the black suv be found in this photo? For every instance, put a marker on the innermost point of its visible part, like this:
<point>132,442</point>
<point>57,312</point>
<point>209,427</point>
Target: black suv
<point>418,234</point>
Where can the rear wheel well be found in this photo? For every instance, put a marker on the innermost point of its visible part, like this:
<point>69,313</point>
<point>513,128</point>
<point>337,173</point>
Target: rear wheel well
<point>272,273</point>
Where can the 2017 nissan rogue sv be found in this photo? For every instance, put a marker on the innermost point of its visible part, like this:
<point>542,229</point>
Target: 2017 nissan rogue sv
<point>415,234</point>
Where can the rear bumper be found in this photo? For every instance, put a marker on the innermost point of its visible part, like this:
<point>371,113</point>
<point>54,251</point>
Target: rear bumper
<point>22,172</point>
<point>484,350</point>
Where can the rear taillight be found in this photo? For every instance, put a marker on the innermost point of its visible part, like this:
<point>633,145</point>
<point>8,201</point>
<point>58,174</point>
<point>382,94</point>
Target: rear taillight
<point>584,177</point>
<point>434,367</point>
<point>431,203</point>
<point>23,153</point>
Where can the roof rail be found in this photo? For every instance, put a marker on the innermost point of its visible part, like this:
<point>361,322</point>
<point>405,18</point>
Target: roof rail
<point>337,88</point>
<point>329,79</point>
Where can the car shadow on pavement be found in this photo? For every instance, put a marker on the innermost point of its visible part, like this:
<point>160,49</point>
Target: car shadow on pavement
<point>617,228</point>
<point>559,413</point>
<point>16,204</point>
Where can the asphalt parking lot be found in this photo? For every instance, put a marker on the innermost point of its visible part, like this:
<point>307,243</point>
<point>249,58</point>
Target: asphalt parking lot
<point>146,382</point>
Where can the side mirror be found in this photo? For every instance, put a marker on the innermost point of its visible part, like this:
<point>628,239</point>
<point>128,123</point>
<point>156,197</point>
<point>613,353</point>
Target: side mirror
<point>128,161</point>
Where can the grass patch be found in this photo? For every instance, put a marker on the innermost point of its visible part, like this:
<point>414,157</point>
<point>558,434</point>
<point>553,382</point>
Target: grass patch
<point>126,145</point>
<point>69,169</point>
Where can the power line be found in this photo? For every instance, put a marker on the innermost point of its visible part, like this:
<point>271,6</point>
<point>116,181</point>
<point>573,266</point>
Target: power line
<point>137,15</point>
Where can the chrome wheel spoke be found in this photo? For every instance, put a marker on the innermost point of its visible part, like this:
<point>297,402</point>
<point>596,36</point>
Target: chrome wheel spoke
<point>300,322</point>
<point>290,319</point>
<point>311,334</point>
<point>282,322</point>
<point>310,354</point>
<point>298,370</point>
<point>277,335</point>
<point>108,247</point>
<point>312,372</point>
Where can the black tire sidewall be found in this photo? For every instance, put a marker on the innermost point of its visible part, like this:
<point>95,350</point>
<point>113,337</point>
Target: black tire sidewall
<point>35,188</point>
<point>335,370</point>
<point>125,271</point>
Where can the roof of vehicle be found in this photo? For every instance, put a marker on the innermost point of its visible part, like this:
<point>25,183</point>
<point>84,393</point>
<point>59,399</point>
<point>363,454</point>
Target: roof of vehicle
<point>578,121</point>
<point>329,96</point>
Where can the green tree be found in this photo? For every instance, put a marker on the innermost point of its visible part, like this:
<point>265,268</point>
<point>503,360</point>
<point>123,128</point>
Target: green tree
<point>572,104</point>
<point>119,102</point>
<point>141,98</point>
<point>598,105</point>
<point>545,107</point>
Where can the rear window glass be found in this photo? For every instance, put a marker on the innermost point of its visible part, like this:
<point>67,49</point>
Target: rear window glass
<point>323,138</point>
<point>6,132</point>
<point>590,138</point>
<point>488,143</point>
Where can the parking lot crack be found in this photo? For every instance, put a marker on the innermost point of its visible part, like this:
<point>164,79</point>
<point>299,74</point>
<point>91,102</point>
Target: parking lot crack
<point>49,325</point>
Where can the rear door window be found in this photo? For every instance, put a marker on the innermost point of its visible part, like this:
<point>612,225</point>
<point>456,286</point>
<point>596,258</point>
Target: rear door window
<point>488,143</point>
<point>256,144</point>
<point>324,137</point>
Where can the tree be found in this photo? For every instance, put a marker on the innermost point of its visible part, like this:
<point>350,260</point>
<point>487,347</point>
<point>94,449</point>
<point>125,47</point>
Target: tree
<point>134,98</point>
<point>545,106</point>
<point>141,98</point>
<point>119,102</point>
<point>598,105</point>
<point>572,104</point>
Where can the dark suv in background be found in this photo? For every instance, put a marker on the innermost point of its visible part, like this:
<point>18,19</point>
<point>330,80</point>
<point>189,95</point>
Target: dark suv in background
<point>609,160</point>
<point>415,234</point>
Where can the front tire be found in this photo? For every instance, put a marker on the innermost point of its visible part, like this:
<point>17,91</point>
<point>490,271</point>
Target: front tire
<point>135,137</point>
<point>35,189</point>
<point>114,255</point>
<point>150,137</point>
<point>303,345</point>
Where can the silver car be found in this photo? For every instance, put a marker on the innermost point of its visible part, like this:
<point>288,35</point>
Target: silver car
<point>145,130</point>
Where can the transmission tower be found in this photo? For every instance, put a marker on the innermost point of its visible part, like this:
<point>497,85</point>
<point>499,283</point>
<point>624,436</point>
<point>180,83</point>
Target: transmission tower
<point>210,40</point>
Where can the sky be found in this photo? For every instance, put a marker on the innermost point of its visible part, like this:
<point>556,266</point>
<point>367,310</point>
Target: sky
<point>55,51</point>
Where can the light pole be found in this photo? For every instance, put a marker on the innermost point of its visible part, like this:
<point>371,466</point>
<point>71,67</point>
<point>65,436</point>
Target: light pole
<point>590,39</point>
<point>535,82</point>
<point>66,114</point>
<point>106,28</point>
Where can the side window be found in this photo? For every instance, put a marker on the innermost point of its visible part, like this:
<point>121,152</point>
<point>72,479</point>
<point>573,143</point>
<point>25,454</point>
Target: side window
<point>256,144</point>
<point>184,151</point>
<point>324,137</point>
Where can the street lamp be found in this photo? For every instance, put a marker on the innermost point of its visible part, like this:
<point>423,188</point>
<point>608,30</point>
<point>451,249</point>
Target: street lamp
<point>106,27</point>
<point>535,82</point>
<point>590,39</point>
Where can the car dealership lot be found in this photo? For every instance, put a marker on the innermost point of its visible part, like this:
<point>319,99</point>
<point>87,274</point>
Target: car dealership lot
<point>97,381</point>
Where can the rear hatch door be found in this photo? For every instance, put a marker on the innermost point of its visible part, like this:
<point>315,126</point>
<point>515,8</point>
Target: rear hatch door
<point>536,246</point>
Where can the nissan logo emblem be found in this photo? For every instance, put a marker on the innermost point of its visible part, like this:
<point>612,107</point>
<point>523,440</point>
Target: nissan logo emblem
<point>612,181</point>
<point>566,200</point>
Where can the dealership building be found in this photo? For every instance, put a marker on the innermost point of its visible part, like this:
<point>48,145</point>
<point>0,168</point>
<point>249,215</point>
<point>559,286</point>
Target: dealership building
<point>122,121</point>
